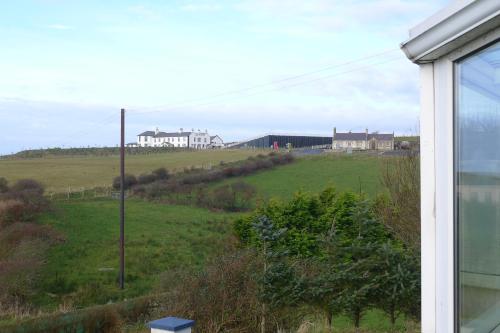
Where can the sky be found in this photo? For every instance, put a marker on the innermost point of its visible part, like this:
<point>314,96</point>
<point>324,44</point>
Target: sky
<point>237,68</point>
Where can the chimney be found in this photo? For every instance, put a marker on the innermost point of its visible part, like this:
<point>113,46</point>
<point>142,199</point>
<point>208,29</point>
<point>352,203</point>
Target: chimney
<point>366,133</point>
<point>157,130</point>
<point>334,132</point>
<point>182,129</point>
<point>171,325</point>
<point>206,131</point>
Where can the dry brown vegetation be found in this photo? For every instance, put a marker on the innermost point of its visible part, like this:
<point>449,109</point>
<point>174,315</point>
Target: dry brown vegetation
<point>23,243</point>
<point>400,209</point>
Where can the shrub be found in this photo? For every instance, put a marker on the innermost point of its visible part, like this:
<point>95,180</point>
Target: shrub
<point>146,179</point>
<point>27,185</point>
<point>16,233</point>
<point>223,297</point>
<point>3,185</point>
<point>129,181</point>
<point>399,209</point>
<point>234,197</point>
<point>11,211</point>
<point>161,174</point>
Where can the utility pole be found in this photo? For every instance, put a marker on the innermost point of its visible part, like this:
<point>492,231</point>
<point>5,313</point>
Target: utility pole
<point>122,200</point>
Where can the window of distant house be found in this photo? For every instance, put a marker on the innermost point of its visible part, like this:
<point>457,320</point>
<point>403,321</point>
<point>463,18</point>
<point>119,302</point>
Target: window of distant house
<point>477,167</point>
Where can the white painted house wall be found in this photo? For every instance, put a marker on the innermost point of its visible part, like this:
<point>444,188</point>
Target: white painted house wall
<point>180,139</point>
<point>216,142</point>
<point>199,140</point>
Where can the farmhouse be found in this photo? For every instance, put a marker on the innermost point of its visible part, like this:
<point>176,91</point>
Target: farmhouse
<point>180,139</point>
<point>362,141</point>
<point>458,52</point>
<point>216,142</point>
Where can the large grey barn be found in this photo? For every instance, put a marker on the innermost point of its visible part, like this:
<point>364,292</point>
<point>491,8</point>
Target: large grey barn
<point>296,141</point>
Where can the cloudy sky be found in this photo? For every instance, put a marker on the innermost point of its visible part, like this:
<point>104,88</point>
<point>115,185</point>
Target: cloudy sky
<point>238,68</point>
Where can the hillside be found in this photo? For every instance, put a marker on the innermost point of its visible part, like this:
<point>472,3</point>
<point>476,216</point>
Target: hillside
<point>58,173</point>
<point>162,237</point>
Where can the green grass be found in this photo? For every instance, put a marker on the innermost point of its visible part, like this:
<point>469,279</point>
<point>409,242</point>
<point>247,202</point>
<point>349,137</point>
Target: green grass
<point>84,269</point>
<point>158,238</point>
<point>374,321</point>
<point>315,173</point>
<point>57,173</point>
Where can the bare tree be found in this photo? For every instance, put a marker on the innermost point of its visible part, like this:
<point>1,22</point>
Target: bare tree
<point>400,208</point>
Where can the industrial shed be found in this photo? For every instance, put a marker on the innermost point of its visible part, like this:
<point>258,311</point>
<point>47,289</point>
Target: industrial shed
<point>296,141</point>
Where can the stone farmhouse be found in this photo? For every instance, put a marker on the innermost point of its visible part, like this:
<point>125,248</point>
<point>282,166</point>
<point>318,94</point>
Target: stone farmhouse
<point>362,141</point>
<point>181,139</point>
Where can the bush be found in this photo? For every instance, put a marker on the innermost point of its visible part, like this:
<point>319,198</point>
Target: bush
<point>223,297</point>
<point>129,181</point>
<point>161,174</point>
<point>22,202</point>
<point>234,197</point>
<point>27,185</point>
<point>11,211</point>
<point>3,185</point>
<point>160,183</point>
<point>146,179</point>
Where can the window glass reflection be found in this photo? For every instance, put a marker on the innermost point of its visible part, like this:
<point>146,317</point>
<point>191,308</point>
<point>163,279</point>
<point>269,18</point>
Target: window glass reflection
<point>478,189</point>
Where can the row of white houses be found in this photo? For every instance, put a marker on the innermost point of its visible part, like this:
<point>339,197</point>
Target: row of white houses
<point>181,139</point>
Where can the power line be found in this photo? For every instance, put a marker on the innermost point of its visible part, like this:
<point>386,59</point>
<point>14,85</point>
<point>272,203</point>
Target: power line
<point>136,112</point>
<point>289,78</point>
<point>114,116</point>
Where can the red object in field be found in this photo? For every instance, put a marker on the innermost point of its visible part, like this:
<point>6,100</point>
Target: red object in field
<point>275,145</point>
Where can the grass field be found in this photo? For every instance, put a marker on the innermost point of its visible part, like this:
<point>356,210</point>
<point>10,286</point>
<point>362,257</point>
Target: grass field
<point>58,173</point>
<point>84,269</point>
<point>158,238</point>
<point>345,172</point>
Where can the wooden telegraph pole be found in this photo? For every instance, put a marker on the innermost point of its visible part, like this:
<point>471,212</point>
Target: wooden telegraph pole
<point>122,200</point>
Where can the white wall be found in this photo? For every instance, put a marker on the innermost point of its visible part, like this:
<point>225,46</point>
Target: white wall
<point>199,140</point>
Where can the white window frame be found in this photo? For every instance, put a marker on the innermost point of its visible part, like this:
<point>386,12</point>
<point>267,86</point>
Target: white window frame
<point>439,289</point>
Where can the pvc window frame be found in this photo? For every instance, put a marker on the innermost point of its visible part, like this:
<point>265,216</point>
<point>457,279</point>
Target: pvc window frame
<point>439,234</point>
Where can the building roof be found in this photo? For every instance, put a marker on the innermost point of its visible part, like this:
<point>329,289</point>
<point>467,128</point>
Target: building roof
<point>452,27</point>
<point>362,136</point>
<point>172,134</point>
<point>147,133</point>
<point>381,136</point>
<point>350,136</point>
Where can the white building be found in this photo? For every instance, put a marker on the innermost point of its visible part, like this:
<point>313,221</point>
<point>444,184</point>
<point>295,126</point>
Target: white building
<point>180,139</point>
<point>216,142</point>
<point>458,51</point>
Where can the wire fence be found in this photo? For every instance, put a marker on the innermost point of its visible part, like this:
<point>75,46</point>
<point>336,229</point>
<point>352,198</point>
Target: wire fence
<point>82,192</point>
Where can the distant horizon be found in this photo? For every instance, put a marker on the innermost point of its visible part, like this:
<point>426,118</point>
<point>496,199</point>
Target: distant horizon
<point>396,135</point>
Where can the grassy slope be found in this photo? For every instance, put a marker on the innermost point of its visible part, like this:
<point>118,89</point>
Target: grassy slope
<point>57,173</point>
<point>162,237</point>
<point>158,237</point>
<point>345,172</point>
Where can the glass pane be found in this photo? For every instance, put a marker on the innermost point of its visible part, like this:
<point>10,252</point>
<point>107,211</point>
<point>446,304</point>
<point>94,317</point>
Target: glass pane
<point>478,190</point>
